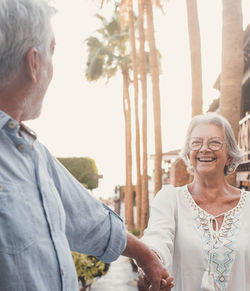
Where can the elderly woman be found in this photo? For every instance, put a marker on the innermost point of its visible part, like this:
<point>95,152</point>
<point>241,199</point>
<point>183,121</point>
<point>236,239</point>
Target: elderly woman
<point>201,231</point>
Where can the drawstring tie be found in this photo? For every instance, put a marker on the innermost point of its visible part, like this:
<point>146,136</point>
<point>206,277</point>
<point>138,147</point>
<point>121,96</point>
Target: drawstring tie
<point>208,280</point>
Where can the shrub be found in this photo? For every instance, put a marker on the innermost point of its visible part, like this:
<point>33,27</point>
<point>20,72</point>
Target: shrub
<point>83,169</point>
<point>136,232</point>
<point>89,267</point>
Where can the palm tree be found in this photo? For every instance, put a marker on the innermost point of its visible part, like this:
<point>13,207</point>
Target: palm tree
<point>137,123</point>
<point>143,77</point>
<point>232,62</point>
<point>126,10</point>
<point>142,187</point>
<point>232,66</point>
<point>129,199</point>
<point>106,54</point>
<point>156,97</point>
<point>195,52</point>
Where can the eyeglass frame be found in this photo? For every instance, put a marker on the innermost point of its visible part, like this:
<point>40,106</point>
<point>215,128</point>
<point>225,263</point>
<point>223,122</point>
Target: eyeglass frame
<point>222,141</point>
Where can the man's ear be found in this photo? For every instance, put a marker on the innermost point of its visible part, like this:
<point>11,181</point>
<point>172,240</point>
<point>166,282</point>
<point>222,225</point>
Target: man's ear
<point>33,64</point>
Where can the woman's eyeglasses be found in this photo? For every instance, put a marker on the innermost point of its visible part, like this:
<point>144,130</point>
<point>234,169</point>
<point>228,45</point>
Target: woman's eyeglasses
<point>213,143</point>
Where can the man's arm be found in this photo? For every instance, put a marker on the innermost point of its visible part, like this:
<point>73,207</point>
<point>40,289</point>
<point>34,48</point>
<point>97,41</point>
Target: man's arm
<point>149,262</point>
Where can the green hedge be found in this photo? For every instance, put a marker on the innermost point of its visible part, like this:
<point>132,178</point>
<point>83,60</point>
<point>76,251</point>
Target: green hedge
<point>83,169</point>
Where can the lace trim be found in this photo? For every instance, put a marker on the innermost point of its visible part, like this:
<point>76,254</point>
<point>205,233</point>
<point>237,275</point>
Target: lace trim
<point>205,217</point>
<point>219,244</point>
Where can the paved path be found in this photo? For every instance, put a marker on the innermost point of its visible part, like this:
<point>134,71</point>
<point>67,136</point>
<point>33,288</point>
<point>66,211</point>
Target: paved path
<point>120,277</point>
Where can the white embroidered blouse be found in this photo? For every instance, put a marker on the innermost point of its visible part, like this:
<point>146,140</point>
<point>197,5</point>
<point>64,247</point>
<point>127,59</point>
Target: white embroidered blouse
<point>197,256</point>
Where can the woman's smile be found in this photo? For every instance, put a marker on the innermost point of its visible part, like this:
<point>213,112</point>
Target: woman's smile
<point>206,159</point>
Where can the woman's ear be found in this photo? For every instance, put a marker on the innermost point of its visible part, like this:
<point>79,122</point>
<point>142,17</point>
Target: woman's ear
<point>33,64</point>
<point>229,159</point>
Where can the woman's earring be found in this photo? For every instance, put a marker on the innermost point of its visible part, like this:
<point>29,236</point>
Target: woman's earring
<point>231,167</point>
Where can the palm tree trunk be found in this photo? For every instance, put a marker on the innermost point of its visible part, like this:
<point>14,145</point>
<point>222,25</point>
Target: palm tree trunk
<point>232,66</point>
<point>143,76</point>
<point>156,97</point>
<point>232,62</point>
<point>137,125</point>
<point>129,203</point>
<point>195,52</point>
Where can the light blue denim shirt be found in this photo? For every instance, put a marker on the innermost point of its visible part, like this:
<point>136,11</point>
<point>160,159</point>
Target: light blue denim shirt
<point>44,213</point>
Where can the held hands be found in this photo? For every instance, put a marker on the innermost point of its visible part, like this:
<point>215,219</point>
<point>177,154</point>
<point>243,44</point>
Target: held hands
<point>153,274</point>
<point>149,274</point>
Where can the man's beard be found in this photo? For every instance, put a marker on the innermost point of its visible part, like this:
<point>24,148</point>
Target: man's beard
<point>34,100</point>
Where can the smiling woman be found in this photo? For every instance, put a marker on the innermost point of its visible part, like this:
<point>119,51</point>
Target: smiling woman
<point>218,134</point>
<point>210,156</point>
<point>197,229</point>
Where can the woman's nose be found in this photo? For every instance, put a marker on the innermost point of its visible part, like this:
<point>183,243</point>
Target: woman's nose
<point>204,147</point>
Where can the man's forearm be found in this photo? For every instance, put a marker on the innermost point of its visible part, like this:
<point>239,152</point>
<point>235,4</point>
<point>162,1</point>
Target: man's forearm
<point>138,250</point>
<point>149,262</point>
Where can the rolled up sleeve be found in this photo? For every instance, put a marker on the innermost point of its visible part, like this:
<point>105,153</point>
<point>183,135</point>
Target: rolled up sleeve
<point>117,240</point>
<point>91,227</point>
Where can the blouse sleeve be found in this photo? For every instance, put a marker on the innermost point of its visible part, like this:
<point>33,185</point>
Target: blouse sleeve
<point>160,233</point>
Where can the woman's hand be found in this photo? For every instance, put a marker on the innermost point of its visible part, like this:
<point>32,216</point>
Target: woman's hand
<point>145,285</point>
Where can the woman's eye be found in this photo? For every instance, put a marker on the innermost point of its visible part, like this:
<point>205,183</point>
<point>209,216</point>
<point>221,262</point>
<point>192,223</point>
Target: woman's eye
<point>216,142</point>
<point>196,142</point>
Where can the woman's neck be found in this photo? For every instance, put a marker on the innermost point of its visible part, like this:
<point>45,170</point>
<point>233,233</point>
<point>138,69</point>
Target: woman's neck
<point>211,188</point>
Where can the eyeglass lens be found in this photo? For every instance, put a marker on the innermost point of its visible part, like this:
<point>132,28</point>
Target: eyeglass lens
<point>213,144</point>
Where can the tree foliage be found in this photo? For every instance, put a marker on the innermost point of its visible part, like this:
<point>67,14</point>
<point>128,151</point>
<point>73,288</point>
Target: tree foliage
<point>83,169</point>
<point>108,50</point>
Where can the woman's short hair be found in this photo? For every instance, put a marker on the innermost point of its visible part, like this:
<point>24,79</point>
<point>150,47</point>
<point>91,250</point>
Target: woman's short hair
<point>233,150</point>
<point>23,24</point>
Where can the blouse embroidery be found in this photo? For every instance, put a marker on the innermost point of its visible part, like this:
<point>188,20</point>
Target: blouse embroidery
<point>219,244</point>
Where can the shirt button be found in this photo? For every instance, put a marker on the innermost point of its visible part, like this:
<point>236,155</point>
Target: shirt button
<point>1,187</point>
<point>62,272</point>
<point>12,124</point>
<point>21,147</point>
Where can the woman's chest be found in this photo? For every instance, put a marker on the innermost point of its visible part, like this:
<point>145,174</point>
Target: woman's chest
<point>219,247</point>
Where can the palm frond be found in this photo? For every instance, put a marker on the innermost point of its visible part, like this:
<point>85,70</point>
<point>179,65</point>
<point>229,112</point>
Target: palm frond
<point>102,18</point>
<point>161,4</point>
<point>111,72</point>
<point>108,50</point>
<point>94,69</point>
<point>93,42</point>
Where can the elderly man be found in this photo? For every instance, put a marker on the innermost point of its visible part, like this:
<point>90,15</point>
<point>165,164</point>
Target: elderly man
<point>44,212</point>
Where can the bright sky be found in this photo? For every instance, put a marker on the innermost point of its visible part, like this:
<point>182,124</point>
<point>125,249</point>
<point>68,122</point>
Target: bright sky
<point>86,119</point>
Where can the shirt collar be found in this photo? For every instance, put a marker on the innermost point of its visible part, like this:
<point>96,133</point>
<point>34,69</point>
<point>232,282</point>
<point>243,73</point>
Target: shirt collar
<point>4,118</point>
<point>27,130</point>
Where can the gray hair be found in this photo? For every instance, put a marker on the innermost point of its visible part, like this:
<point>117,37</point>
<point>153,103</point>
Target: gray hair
<point>23,24</point>
<point>233,150</point>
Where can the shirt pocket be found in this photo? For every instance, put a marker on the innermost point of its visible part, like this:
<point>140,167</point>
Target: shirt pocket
<point>54,206</point>
<point>15,223</point>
